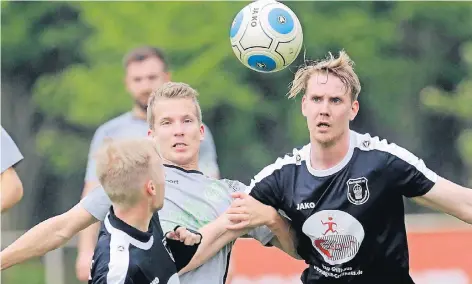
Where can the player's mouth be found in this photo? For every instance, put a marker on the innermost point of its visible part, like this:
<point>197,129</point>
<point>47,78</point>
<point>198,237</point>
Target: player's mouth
<point>179,146</point>
<point>323,125</point>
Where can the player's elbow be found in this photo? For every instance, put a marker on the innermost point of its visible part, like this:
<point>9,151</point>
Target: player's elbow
<point>71,223</point>
<point>11,189</point>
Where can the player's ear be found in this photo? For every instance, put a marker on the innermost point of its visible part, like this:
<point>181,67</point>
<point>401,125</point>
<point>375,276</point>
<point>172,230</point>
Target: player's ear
<point>168,76</point>
<point>304,105</point>
<point>354,110</point>
<point>202,132</point>
<point>151,188</point>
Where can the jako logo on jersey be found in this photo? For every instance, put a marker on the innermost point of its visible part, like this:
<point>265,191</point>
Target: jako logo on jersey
<point>335,234</point>
<point>358,191</point>
<point>305,205</point>
<point>155,281</point>
<point>176,181</point>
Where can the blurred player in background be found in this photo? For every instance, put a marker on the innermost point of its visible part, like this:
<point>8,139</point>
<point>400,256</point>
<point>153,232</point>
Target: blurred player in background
<point>192,199</point>
<point>132,248</point>
<point>147,68</point>
<point>11,185</point>
<point>344,191</point>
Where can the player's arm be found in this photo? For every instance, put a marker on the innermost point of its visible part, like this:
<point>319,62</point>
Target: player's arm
<point>11,189</point>
<point>88,238</point>
<point>11,185</point>
<point>247,212</point>
<point>46,236</point>
<point>222,231</point>
<point>409,174</point>
<point>449,198</point>
<point>215,237</point>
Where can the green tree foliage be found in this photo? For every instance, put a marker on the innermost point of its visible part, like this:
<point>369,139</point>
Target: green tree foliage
<point>456,103</point>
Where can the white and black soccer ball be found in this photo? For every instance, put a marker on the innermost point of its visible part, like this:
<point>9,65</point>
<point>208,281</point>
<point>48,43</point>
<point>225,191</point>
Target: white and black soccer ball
<point>266,36</point>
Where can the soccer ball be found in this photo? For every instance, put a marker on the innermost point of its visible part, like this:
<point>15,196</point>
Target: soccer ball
<point>266,36</point>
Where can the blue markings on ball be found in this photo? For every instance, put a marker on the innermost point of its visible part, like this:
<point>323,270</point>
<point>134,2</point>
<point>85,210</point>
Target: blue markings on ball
<point>281,21</point>
<point>262,63</point>
<point>236,24</point>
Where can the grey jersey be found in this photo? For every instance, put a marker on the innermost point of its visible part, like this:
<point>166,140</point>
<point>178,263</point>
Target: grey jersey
<point>129,126</point>
<point>191,200</point>
<point>11,155</point>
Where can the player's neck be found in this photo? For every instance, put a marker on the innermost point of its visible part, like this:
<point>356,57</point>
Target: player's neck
<point>138,217</point>
<point>323,157</point>
<point>191,166</point>
<point>139,113</point>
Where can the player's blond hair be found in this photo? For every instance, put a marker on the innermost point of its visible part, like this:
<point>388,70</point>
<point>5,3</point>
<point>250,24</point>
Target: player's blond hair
<point>341,67</point>
<point>124,166</point>
<point>171,90</point>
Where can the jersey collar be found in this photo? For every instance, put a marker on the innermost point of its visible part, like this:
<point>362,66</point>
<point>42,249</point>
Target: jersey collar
<point>336,168</point>
<point>182,169</point>
<point>118,224</point>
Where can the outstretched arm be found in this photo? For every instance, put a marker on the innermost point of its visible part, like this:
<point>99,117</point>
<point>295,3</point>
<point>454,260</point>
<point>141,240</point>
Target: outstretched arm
<point>46,236</point>
<point>449,198</point>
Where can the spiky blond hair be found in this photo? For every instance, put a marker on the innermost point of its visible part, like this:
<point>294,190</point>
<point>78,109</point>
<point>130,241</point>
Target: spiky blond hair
<point>341,67</point>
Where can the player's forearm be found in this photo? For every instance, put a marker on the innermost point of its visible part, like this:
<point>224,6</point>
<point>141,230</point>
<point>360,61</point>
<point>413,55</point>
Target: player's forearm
<point>215,237</point>
<point>285,238</point>
<point>39,240</point>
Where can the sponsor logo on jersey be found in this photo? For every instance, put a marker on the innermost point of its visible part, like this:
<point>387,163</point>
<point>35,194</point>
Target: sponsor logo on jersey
<point>174,181</point>
<point>335,234</point>
<point>358,191</point>
<point>305,205</point>
<point>155,281</point>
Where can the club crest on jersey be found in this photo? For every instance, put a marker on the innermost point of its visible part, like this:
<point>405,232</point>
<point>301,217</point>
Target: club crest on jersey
<point>358,191</point>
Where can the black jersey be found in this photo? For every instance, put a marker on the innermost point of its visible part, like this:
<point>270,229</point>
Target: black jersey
<point>349,219</point>
<point>125,255</point>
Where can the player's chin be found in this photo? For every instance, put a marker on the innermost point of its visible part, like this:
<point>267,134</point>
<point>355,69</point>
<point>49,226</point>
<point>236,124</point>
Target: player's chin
<point>324,138</point>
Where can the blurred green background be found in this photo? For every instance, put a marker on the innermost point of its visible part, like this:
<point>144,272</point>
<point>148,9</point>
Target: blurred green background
<point>62,77</point>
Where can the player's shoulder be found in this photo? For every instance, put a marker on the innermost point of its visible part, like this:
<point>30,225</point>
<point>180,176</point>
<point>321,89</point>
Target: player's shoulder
<point>287,161</point>
<point>116,122</point>
<point>368,143</point>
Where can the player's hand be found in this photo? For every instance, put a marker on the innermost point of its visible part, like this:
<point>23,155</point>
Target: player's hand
<point>82,265</point>
<point>246,212</point>
<point>185,236</point>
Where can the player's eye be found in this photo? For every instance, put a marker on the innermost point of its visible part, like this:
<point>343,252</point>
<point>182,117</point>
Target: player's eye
<point>188,120</point>
<point>137,79</point>
<point>152,77</point>
<point>316,99</point>
<point>165,122</point>
<point>336,100</point>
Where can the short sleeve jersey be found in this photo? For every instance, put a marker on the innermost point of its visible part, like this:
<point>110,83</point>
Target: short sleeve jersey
<point>11,155</point>
<point>349,219</point>
<point>125,255</point>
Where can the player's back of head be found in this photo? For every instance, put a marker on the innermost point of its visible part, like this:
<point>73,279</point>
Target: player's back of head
<point>126,166</point>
